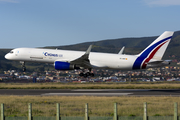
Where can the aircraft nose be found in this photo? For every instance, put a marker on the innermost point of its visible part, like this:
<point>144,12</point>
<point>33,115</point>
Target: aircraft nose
<point>7,56</point>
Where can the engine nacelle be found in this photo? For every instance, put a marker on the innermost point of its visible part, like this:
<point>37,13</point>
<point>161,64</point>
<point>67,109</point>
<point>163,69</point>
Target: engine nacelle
<point>64,66</point>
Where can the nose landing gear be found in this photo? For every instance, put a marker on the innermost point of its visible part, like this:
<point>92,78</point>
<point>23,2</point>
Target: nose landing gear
<point>23,66</point>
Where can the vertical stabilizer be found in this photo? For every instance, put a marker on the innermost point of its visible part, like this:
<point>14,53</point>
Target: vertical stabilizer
<point>158,47</point>
<point>154,51</point>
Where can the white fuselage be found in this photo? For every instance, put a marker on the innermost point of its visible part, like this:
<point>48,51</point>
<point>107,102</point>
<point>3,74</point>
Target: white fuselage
<point>97,60</point>
<point>151,56</point>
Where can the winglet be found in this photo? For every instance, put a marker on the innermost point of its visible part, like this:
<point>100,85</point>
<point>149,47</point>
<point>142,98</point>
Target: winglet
<point>83,61</point>
<point>88,50</point>
<point>84,57</point>
<point>121,51</point>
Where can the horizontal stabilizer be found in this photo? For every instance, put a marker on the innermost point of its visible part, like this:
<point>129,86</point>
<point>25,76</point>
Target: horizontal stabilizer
<point>158,63</point>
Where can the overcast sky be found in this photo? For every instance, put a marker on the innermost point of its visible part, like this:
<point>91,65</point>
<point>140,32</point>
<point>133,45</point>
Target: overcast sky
<point>39,23</point>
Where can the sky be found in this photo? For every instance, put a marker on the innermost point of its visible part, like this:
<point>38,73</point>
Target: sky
<point>40,23</point>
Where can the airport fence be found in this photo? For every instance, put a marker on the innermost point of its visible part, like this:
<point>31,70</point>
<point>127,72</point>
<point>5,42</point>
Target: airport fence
<point>86,116</point>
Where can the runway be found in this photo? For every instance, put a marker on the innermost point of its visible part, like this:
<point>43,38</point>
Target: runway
<point>90,92</point>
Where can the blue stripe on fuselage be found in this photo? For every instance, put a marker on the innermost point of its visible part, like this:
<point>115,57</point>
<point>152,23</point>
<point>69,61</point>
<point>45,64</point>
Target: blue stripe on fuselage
<point>140,59</point>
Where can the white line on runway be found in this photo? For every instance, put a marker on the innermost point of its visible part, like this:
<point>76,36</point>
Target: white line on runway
<point>111,90</point>
<point>86,94</point>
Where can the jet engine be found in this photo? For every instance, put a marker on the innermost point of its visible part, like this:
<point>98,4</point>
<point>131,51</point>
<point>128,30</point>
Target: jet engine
<point>59,65</point>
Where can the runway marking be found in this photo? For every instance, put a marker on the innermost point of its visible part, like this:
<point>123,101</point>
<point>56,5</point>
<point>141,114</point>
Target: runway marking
<point>111,90</point>
<point>91,90</point>
<point>86,94</point>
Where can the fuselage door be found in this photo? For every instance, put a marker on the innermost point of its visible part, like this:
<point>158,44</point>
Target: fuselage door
<point>36,56</point>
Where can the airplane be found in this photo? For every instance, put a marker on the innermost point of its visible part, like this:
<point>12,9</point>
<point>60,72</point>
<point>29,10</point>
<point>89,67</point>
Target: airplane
<point>150,57</point>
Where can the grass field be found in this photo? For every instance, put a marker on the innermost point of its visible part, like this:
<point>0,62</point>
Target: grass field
<point>143,85</point>
<point>98,106</point>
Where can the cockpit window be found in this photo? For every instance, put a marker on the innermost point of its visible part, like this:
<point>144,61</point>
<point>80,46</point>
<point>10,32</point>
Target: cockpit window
<point>11,52</point>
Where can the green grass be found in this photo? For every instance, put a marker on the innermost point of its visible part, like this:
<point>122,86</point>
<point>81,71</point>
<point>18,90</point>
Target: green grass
<point>98,106</point>
<point>161,85</point>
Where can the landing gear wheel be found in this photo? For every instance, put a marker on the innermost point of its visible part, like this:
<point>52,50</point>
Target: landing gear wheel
<point>24,69</point>
<point>88,74</point>
<point>92,74</point>
<point>85,75</point>
<point>81,74</point>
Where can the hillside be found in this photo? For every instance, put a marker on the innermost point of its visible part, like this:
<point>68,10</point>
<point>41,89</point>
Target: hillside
<point>132,46</point>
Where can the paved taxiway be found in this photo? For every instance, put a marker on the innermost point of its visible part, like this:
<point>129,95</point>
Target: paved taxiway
<point>91,92</point>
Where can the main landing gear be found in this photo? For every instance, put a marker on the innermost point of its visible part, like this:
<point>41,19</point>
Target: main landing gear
<point>86,74</point>
<point>23,66</point>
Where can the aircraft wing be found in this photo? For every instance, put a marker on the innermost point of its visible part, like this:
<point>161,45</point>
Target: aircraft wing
<point>83,61</point>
